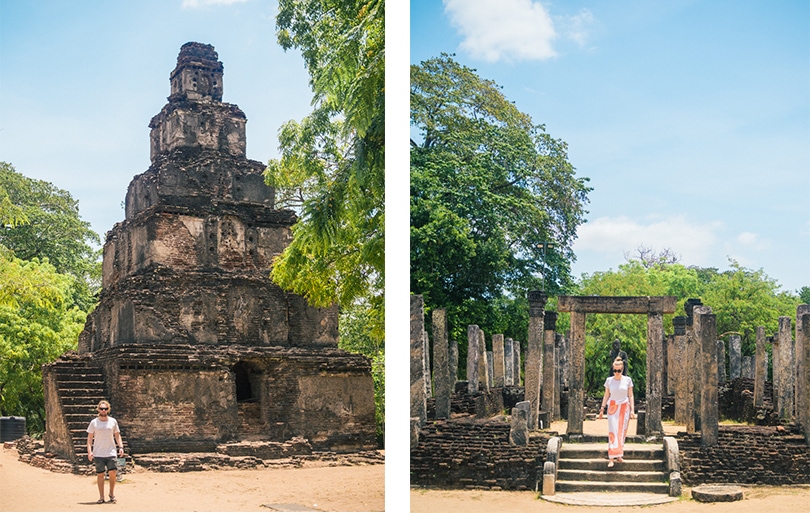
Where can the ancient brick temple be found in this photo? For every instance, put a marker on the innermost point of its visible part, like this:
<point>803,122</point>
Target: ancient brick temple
<point>191,342</point>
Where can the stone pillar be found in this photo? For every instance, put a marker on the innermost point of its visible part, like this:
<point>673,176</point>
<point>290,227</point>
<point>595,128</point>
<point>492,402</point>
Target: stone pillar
<point>483,366</point>
<point>497,360</point>
<point>800,390</point>
<point>559,347</point>
<point>787,370</point>
<point>490,369</point>
<point>519,428</point>
<point>760,368</point>
<point>734,357</point>
<point>534,354</point>
<point>418,398</point>
<point>747,371</point>
<point>442,381</point>
<point>549,388</point>
<point>803,388</point>
<point>664,363</point>
<point>516,365</point>
<point>672,359</point>
<point>680,371</point>
<point>576,375</point>
<point>694,308</point>
<point>509,363</point>
<point>655,363</point>
<point>709,414</point>
<point>426,355</point>
<point>722,375</point>
<point>473,355</point>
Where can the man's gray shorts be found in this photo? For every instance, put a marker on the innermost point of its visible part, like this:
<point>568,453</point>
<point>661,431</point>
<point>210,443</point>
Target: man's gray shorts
<point>103,464</point>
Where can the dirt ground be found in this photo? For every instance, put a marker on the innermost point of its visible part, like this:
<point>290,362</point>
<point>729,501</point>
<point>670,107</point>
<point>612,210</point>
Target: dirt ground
<point>349,488</point>
<point>757,499</point>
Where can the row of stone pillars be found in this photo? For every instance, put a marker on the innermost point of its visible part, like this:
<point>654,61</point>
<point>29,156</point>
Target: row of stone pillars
<point>690,359</point>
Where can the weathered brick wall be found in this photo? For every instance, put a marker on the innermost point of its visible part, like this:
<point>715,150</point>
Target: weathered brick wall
<point>746,454</point>
<point>464,453</point>
<point>736,402</point>
<point>174,409</point>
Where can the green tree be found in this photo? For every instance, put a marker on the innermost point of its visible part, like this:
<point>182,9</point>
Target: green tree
<point>804,295</point>
<point>635,278</point>
<point>489,188</point>
<point>37,324</point>
<point>332,162</point>
<point>332,171</point>
<point>743,299</point>
<point>47,225</point>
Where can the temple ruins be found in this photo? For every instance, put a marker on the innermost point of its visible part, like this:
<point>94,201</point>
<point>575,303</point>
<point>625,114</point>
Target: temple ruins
<point>498,435</point>
<point>191,342</point>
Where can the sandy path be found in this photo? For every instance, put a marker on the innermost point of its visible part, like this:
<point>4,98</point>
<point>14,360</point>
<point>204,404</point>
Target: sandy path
<point>356,488</point>
<point>757,500</point>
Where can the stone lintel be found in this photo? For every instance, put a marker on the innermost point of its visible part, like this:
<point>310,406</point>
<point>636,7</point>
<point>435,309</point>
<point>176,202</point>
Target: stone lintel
<point>617,304</point>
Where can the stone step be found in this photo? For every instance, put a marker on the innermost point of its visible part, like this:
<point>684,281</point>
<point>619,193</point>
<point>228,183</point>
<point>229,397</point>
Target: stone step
<point>81,392</point>
<point>601,463</point>
<point>611,475</point>
<point>69,386</point>
<point>599,450</point>
<point>615,486</point>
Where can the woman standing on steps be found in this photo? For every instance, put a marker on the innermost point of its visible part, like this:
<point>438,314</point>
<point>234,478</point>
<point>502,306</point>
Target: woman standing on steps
<point>620,409</point>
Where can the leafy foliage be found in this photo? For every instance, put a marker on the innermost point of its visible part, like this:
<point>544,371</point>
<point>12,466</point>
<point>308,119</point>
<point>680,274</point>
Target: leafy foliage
<point>355,338</point>
<point>332,171</point>
<point>488,189</point>
<point>332,164</point>
<point>46,224</point>
<point>37,324</point>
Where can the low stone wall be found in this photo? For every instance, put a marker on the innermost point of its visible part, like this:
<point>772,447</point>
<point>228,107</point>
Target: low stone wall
<point>476,454</point>
<point>746,455</point>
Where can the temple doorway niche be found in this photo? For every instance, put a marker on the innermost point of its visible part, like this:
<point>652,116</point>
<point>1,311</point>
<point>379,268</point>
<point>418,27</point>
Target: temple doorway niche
<point>654,307</point>
<point>248,379</point>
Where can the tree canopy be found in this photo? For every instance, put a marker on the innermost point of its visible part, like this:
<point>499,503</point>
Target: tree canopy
<point>332,162</point>
<point>490,189</point>
<point>37,324</point>
<point>741,298</point>
<point>332,171</point>
<point>46,225</point>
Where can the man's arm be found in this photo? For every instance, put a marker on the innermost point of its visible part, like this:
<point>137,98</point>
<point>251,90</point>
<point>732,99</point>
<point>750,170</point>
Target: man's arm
<point>119,443</point>
<point>90,446</point>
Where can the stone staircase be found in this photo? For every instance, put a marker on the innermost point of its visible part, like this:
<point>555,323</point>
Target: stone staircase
<point>81,387</point>
<point>582,467</point>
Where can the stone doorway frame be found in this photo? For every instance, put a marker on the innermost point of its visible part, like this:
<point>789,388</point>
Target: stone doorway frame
<point>579,306</point>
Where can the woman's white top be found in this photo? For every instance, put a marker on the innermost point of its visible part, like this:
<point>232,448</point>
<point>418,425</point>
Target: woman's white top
<point>619,388</point>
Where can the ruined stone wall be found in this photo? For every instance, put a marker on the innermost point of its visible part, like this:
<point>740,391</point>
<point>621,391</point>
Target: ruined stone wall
<point>169,408</point>
<point>57,437</point>
<point>467,454</point>
<point>183,398</point>
<point>329,402</point>
<point>746,455</point>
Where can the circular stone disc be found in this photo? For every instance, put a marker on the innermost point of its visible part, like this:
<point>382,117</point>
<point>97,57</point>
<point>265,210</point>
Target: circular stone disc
<point>717,493</point>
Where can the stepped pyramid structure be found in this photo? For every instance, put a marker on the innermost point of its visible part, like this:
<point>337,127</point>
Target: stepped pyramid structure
<point>191,342</point>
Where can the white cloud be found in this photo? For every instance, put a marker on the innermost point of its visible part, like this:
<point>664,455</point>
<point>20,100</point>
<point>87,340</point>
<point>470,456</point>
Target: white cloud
<point>195,4</point>
<point>503,29</point>
<point>752,240</point>
<point>621,235</point>
<point>576,27</point>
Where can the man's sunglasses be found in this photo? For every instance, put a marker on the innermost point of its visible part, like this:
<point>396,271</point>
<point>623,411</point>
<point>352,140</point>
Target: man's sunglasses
<point>103,409</point>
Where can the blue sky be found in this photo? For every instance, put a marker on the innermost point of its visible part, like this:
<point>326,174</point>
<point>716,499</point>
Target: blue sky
<point>80,81</point>
<point>691,118</point>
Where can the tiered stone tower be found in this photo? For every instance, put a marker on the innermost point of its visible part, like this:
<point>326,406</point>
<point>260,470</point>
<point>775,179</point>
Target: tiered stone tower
<point>191,342</point>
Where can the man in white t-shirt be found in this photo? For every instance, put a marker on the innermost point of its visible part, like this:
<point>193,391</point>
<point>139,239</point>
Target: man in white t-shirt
<point>103,436</point>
